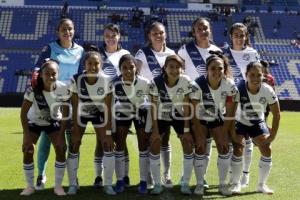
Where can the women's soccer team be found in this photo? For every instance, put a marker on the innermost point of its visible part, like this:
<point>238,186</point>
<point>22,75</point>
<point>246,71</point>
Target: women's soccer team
<point>205,93</point>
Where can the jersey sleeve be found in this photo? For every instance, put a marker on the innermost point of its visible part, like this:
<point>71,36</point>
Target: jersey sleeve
<point>140,55</point>
<point>153,91</point>
<point>271,97</point>
<point>232,91</point>
<point>187,86</point>
<point>29,95</point>
<point>73,86</point>
<point>196,91</point>
<point>181,52</point>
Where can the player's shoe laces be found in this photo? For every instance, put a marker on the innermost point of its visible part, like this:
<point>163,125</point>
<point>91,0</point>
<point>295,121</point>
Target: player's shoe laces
<point>72,190</point>
<point>236,188</point>
<point>245,180</point>
<point>108,189</point>
<point>120,186</point>
<point>225,190</point>
<point>157,189</point>
<point>126,181</point>
<point>98,182</point>
<point>40,182</point>
<point>143,187</point>
<point>27,191</point>
<point>263,188</point>
<point>59,191</point>
<point>185,189</point>
<point>199,190</point>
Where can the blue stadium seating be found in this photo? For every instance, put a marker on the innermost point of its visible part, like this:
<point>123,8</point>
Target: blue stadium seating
<point>21,40</point>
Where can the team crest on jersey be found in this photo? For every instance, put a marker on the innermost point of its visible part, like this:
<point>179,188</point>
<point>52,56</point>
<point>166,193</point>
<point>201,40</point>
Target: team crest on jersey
<point>156,72</point>
<point>38,97</point>
<point>262,100</point>
<point>207,96</point>
<point>100,91</point>
<point>179,91</point>
<point>82,90</point>
<point>200,67</point>
<point>246,57</point>
<point>223,95</point>
<point>244,99</point>
<point>234,90</point>
<point>139,93</point>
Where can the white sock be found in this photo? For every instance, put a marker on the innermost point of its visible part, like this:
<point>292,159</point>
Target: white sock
<point>108,167</point>
<point>223,167</point>
<point>126,165</point>
<point>188,161</point>
<point>199,167</point>
<point>155,167</point>
<point>166,153</point>
<point>120,164</point>
<point>72,168</point>
<point>144,165</point>
<point>236,168</point>
<point>59,172</point>
<point>29,174</point>
<point>265,164</point>
<point>98,164</point>
<point>247,155</point>
<point>208,153</point>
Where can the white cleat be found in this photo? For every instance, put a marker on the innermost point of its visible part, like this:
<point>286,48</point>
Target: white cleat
<point>236,188</point>
<point>59,191</point>
<point>167,182</point>
<point>199,190</point>
<point>263,188</point>
<point>40,182</point>
<point>27,191</point>
<point>225,190</point>
<point>245,180</point>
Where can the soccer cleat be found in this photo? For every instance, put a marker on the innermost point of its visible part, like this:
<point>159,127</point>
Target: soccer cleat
<point>40,182</point>
<point>263,188</point>
<point>59,191</point>
<point>236,188</point>
<point>205,184</point>
<point>27,191</point>
<point>72,190</point>
<point>126,181</point>
<point>199,190</point>
<point>98,182</point>
<point>108,189</point>
<point>245,180</point>
<point>225,190</point>
<point>167,183</point>
<point>143,187</point>
<point>185,189</point>
<point>77,181</point>
<point>120,186</point>
<point>157,189</point>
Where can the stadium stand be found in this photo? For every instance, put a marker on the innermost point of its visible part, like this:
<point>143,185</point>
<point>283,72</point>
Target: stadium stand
<point>21,40</point>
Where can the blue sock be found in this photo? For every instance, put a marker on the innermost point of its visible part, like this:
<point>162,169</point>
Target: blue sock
<point>43,153</point>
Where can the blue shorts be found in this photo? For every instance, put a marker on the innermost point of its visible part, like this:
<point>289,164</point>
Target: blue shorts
<point>95,120</point>
<point>139,120</point>
<point>252,131</point>
<point>212,124</point>
<point>164,126</point>
<point>53,127</point>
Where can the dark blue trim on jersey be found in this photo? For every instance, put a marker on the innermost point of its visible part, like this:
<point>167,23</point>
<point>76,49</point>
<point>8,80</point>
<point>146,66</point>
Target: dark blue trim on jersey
<point>120,92</point>
<point>108,68</point>
<point>195,55</point>
<point>45,54</point>
<point>152,61</point>
<point>246,104</point>
<point>233,64</point>
<point>43,105</point>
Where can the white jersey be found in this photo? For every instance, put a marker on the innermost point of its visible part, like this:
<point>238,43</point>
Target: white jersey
<point>226,91</point>
<point>242,59</point>
<point>160,56</point>
<point>137,93</point>
<point>43,117</point>
<point>176,94</point>
<point>114,59</point>
<point>190,68</point>
<point>259,102</point>
<point>91,97</point>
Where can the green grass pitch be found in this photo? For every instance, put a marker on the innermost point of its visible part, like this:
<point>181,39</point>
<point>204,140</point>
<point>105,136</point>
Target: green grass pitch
<point>284,178</point>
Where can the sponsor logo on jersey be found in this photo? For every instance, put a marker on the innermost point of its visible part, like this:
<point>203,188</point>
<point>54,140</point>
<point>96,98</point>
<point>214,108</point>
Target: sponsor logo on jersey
<point>139,93</point>
<point>262,100</point>
<point>179,91</point>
